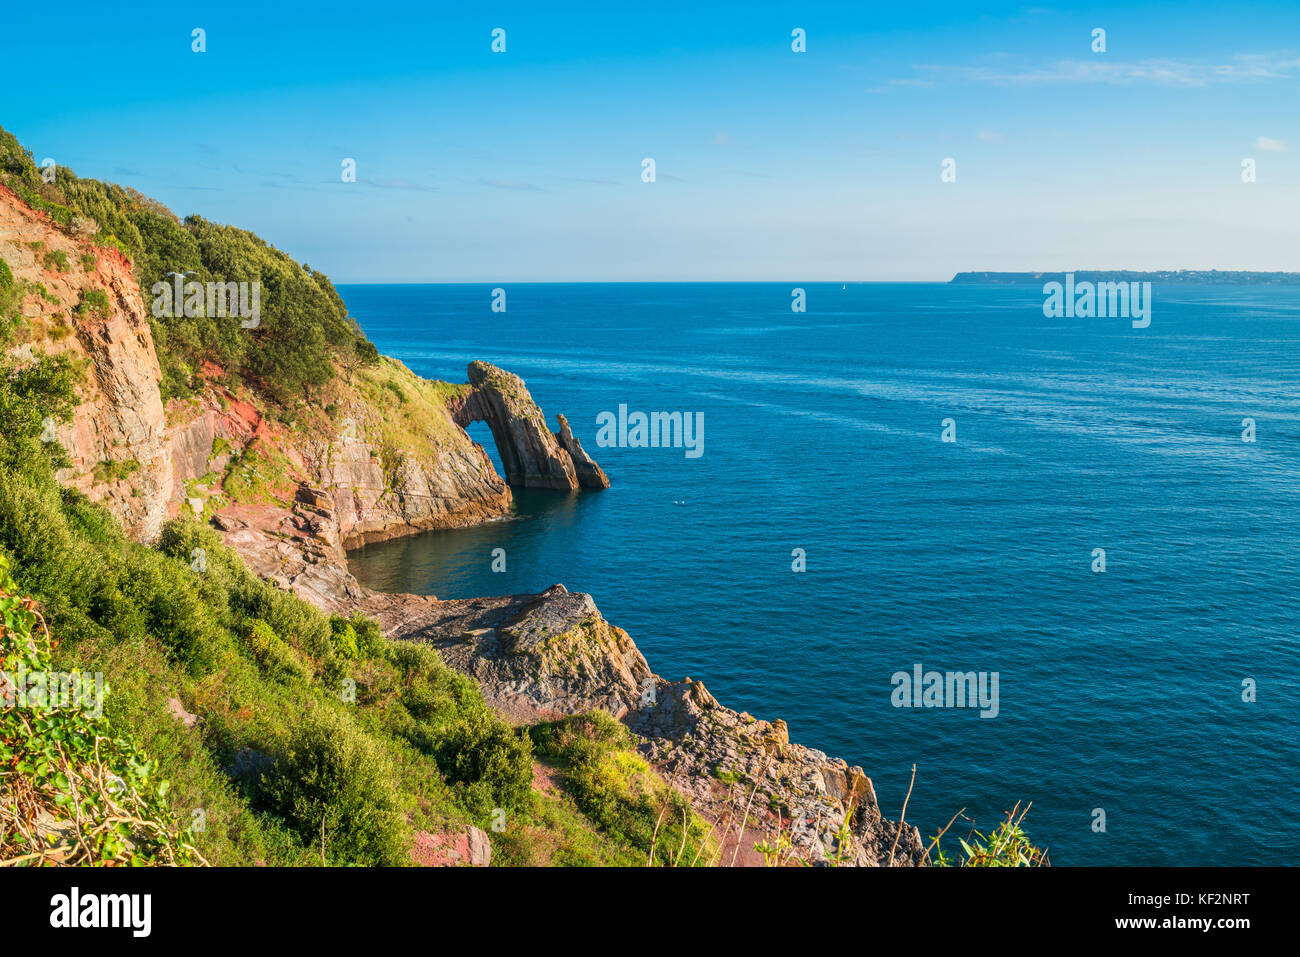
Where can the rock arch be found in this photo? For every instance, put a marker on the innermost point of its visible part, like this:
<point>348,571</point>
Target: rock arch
<point>532,455</point>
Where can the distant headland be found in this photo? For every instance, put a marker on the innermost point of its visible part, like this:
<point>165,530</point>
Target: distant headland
<point>1211,277</point>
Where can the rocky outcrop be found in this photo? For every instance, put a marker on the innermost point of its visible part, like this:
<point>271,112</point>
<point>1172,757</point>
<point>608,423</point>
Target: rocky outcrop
<point>448,486</point>
<point>299,549</point>
<point>535,657</point>
<point>86,303</point>
<point>590,475</point>
<point>539,657</point>
<point>726,760</point>
<point>468,848</point>
<point>532,455</point>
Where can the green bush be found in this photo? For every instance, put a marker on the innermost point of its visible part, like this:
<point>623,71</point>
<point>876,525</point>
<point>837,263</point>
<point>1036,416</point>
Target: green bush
<point>1007,845</point>
<point>355,637</point>
<point>618,790</point>
<point>334,787</point>
<point>64,752</point>
<point>95,302</point>
<point>273,653</point>
<point>492,762</point>
<point>10,297</point>
<point>304,324</point>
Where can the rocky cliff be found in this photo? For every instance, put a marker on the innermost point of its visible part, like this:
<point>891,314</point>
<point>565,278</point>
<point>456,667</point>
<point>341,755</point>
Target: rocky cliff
<point>85,302</point>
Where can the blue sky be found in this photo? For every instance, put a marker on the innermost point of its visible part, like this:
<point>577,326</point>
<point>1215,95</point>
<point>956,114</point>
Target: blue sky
<point>474,166</point>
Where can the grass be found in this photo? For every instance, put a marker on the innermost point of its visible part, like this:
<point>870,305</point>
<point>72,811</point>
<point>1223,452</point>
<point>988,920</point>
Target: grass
<point>55,260</point>
<point>411,411</point>
<point>260,475</point>
<point>95,302</point>
<point>615,788</point>
<point>110,470</point>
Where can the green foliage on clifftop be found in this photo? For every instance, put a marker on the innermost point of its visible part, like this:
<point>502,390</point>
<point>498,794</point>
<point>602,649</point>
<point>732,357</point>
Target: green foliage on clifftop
<point>304,326</point>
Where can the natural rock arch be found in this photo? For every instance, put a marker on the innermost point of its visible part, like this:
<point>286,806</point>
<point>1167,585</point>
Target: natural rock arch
<point>532,455</point>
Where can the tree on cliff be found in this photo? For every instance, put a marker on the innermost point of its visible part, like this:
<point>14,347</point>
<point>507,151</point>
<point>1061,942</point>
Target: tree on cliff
<point>303,327</point>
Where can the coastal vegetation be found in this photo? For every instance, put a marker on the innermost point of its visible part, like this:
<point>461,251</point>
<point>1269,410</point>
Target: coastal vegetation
<point>304,324</point>
<point>241,725</point>
<point>314,738</point>
<point>249,726</point>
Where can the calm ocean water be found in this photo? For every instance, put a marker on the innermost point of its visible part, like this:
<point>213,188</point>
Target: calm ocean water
<point>1120,691</point>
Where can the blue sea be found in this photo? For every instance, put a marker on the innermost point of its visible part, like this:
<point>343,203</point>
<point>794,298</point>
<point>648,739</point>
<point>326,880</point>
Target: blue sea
<point>1119,690</point>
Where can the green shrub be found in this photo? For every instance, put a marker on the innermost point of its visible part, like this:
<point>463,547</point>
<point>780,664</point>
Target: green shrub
<point>334,787</point>
<point>95,302</point>
<point>618,790</point>
<point>490,760</point>
<point>272,653</point>
<point>114,470</point>
<point>355,637</point>
<point>1007,845</point>
<point>56,260</point>
<point>10,297</point>
<point>78,770</point>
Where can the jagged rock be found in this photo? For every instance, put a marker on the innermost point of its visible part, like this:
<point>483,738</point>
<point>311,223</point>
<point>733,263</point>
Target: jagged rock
<point>532,455</point>
<point>590,475</point>
<point>737,768</point>
<point>313,497</point>
<point>177,711</point>
<point>534,656</point>
<point>538,657</point>
<point>446,485</point>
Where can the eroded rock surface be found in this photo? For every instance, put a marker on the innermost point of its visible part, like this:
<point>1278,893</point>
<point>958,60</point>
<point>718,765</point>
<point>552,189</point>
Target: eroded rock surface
<point>590,475</point>
<point>468,848</point>
<point>117,438</point>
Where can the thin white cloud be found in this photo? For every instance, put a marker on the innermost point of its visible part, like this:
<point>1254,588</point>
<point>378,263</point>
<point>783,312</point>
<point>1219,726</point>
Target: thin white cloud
<point>1270,145</point>
<point>989,136</point>
<point>398,184</point>
<point>510,184</point>
<point>1163,72</point>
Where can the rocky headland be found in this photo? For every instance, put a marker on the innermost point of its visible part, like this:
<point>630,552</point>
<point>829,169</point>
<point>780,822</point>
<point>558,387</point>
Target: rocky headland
<point>393,458</point>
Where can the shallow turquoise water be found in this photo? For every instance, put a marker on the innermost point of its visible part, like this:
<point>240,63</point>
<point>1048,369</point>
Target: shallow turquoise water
<point>1119,691</point>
